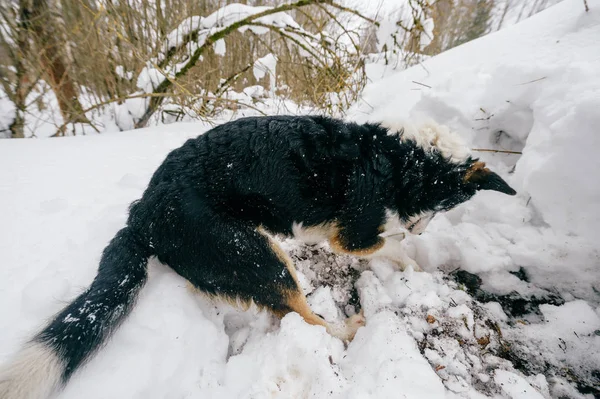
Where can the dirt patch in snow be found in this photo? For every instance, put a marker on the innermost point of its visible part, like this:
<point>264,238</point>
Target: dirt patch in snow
<point>465,332</point>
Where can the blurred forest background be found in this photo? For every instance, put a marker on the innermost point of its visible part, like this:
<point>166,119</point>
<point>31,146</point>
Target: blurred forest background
<point>83,66</point>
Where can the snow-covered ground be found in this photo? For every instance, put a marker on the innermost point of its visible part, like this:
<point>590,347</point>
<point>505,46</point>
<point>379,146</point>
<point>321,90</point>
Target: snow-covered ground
<point>509,305</point>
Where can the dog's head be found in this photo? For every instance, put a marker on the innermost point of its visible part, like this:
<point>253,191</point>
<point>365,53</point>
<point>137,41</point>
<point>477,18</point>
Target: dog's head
<point>444,191</point>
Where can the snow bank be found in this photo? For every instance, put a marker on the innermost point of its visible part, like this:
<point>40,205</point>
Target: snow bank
<point>533,88</point>
<point>532,85</point>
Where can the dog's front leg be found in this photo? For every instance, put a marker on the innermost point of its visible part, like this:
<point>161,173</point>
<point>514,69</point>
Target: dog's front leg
<point>372,247</point>
<point>392,250</point>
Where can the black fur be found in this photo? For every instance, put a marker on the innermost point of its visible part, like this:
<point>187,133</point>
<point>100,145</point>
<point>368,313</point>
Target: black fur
<point>203,205</point>
<point>80,328</point>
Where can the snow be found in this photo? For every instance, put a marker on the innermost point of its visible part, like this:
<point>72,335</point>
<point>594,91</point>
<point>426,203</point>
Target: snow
<point>515,386</point>
<point>149,79</point>
<point>120,71</point>
<point>569,335</point>
<point>264,65</point>
<point>426,336</point>
<point>384,362</point>
<point>427,34</point>
<point>225,16</point>
<point>220,47</point>
<point>267,65</point>
<point>6,118</point>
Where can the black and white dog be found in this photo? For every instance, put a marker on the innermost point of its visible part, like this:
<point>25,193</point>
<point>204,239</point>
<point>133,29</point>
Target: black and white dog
<point>210,209</point>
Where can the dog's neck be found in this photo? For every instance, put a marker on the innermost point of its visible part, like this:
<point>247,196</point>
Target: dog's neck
<point>422,176</point>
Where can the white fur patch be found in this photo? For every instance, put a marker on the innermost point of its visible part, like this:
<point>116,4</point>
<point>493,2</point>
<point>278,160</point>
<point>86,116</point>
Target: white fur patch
<point>34,373</point>
<point>313,234</point>
<point>393,224</point>
<point>415,225</point>
<point>430,135</point>
<point>418,223</point>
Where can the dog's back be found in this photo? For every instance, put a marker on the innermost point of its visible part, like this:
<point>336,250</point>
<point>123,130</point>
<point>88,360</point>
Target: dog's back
<point>271,170</point>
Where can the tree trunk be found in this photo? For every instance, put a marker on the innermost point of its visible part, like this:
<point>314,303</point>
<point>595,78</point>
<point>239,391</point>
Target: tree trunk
<point>18,86</point>
<point>17,127</point>
<point>54,60</point>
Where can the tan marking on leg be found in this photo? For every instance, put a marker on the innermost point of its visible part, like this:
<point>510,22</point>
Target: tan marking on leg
<point>314,234</point>
<point>192,288</point>
<point>284,257</point>
<point>387,248</point>
<point>237,302</point>
<point>337,245</point>
<point>295,300</point>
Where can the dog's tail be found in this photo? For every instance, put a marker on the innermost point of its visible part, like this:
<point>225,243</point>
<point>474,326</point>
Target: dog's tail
<point>51,357</point>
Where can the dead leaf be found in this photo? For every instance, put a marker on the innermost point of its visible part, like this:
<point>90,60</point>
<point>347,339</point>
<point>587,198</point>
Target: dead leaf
<point>484,341</point>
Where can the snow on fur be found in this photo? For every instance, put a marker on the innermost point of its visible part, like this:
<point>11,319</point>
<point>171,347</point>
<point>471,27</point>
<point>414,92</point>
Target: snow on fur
<point>431,136</point>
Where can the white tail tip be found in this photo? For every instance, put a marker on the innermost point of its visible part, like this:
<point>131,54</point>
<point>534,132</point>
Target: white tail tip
<point>34,373</point>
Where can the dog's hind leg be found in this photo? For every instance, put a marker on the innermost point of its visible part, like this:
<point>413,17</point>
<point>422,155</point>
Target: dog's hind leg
<point>243,264</point>
<point>295,301</point>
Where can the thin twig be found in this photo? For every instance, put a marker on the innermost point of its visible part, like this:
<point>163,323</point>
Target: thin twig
<point>351,11</point>
<point>532,81</point>
<point>422,84</point>
<point>497,151</point>
<point>586,6</point>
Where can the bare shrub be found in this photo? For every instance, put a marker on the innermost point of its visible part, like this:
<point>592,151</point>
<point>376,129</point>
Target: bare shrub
<point>96,56</point>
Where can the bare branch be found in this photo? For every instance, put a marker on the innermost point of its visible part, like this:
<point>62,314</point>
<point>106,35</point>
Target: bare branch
<point>496,151</point>
<point>351,11</point>
<point>209,41</point>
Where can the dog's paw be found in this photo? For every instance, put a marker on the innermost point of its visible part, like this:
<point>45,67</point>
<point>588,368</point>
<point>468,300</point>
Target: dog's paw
<point>417,268</point>
<point>414,266</point>
<point>405,261</point>
<point>353,323</point>
<point>348,329</point>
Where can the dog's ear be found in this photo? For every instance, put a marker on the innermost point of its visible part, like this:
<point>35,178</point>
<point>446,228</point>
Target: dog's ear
<point>485,179</point>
